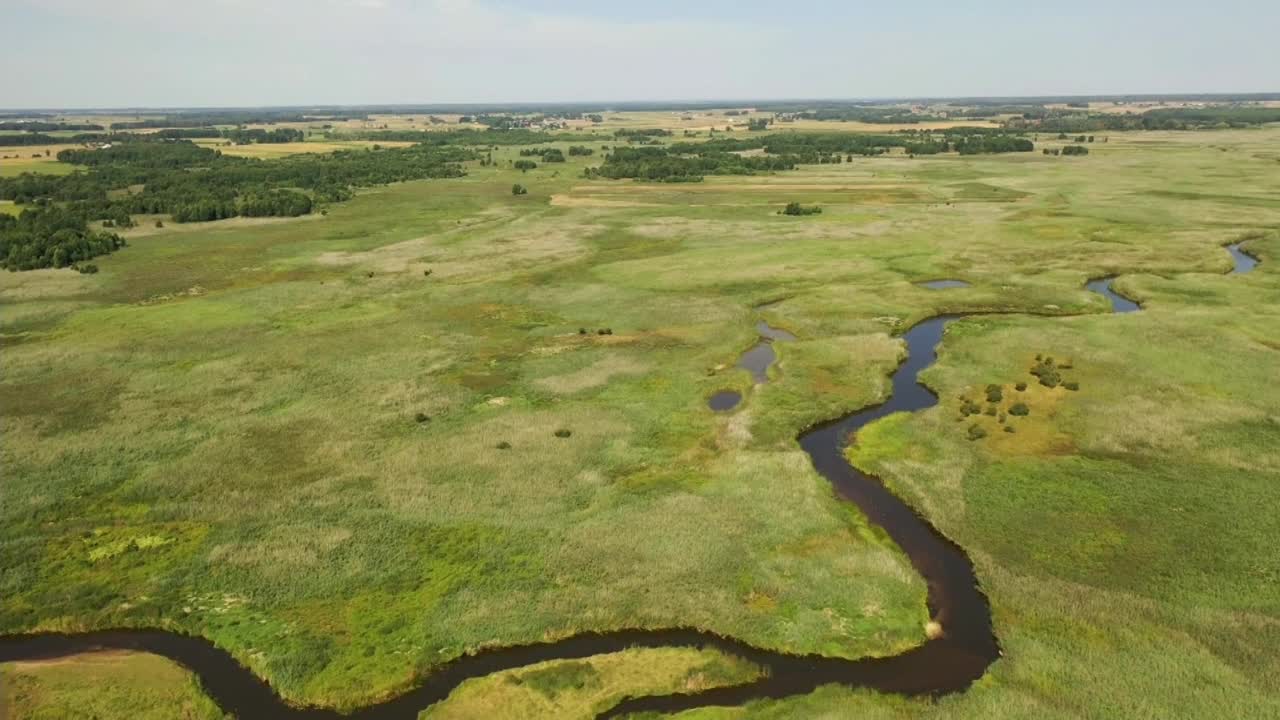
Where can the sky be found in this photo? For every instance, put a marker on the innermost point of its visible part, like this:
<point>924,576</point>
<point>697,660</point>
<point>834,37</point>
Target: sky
<point>219,53</point>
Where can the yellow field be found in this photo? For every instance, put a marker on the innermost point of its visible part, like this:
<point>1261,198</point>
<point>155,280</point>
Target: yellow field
<point>7,207</point>
<point>17,160</point>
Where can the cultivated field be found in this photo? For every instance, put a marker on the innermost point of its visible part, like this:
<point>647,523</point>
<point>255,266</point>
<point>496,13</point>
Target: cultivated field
<point>330,444</point>
<point>267,151</point>
<point>33,158</point>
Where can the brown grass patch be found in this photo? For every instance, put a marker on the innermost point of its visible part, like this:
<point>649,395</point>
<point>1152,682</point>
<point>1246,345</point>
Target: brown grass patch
<point>594,375</point>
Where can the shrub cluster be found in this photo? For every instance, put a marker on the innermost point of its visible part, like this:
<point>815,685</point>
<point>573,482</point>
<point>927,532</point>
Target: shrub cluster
<point>795,208</point>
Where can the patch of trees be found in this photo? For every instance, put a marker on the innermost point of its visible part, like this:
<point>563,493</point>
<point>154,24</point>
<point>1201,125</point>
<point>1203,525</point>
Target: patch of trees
<point>26,139</point>
<point>796,209</point>
<point>188,133</point>
<point>629,134</point>
<point>580,150</point>
<point>195,184</point>
<point>758,124</point>
<point>525,165</point>
<point>258,135</point>
<point>595,118</point>
<point>828,147</point>
<point>986,144</point>
<point>1188,118</point>
<point>666,165</point>
<point>927,146</point>
<point>879,115</point>
<point>46,126</point>
<point>469,136</point>
<point>51,237</point>
<point>1075,150</point>
<point>254,203</point>
<point>549,155</point>
<point>235,117</point>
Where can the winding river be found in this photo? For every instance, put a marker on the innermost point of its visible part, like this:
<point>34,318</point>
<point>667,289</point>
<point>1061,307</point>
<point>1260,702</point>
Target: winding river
<point>948,662</point>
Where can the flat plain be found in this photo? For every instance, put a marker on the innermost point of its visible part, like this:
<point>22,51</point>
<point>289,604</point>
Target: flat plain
<point>330,444</point>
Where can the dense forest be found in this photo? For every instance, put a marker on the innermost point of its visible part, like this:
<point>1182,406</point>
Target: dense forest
<point>817,148</point>
<point>1188,118</point>
<point>641,134</point>
<point>191,184</point>
<point>47,126</point>
<point>43,238</point>
<point>667,165</point>
<point>240,117</point>
<point>981,144</point>
<point>258,135</point>
<point>467,136</point>
<point>878,115</point>
<point>25,139</point>
<point>239,137</point>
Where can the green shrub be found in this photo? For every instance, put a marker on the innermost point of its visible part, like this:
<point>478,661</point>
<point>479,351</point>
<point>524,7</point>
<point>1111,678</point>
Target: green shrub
<point>563,433</point>
<point>795,208</point>
<point>994,393</point>
<point>1020,409</point>
<point>976,432</point>
<point>1047,373</point>
<point>87,269</point>
<point>991,410</point>
<point>422,417</point>
<point>1073,386</point>
<point>519,189</point>
<point>1009,429</point>
<point>1021,386</point>
<point>504,445</point>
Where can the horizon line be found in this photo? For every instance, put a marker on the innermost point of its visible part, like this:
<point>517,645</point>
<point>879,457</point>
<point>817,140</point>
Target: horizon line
<point>669,103</point>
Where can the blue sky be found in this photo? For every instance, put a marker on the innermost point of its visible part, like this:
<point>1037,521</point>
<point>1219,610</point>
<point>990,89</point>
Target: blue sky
<point>91,53</point>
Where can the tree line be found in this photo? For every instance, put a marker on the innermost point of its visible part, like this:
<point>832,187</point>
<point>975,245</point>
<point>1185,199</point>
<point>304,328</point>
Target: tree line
<point>467,136</point>
<point>192,184</point>
<point>550,155</point>
<point>46,126</point>
<point>665,165</point>
<point>1185,118</point>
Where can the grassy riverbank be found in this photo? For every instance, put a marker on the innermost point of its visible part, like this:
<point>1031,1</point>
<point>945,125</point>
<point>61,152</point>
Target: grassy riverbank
<point>102,685</point>
<point>285,435</point>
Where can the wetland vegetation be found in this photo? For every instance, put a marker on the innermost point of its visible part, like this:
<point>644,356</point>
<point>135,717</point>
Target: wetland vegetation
<point>465,407</point>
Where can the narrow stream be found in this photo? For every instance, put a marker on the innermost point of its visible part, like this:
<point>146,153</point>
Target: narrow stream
<point>1119,303</point>
<point>944,284</point>
<point>756,361</point>
<point>1243,260</point>
<point>945,664</point>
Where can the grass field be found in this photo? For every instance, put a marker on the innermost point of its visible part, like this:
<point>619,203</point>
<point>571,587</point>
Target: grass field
<point>102,685</point>
<point>581,689</point>
<point>219,431</point>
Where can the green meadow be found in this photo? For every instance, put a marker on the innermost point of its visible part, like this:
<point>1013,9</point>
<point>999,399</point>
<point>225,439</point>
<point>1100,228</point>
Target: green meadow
<point>349,447</point>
